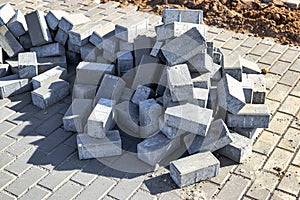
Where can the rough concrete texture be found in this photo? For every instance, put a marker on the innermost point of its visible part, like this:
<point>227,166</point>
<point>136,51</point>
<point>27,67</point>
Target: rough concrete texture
<point>9,43</point>
<point>28,66</point>
<point>48,77</point>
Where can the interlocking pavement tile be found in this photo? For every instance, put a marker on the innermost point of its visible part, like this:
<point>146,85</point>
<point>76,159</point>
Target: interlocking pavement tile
<point>290,105</point>
<point>278,161</point>
<point>5,179</point>
<point>236,187</point>
<point>279,67</point>
<point>263,185</point>
<point>291,180</point>
<point>279,48</point>
<point>68,191</point>
<point>296,160</point>
<point>232,43</point>
<point>35,193</point>
<point>5,113</point>
<point>269,58</point>
<point>97,189</point>
<point>260,49</point>
<point>126,187</point>
<point>50,125</point>
<point>296,90</point>
<point>296,121</point>
<point>27,180</point>
<point>250,166</point>
<point>265,143</point>
<point>202,190</point>
<point>5,159</point>
<point>142,195</point>
<point>5,142</point>
<point>252,57</point>
<point>273,105</point>
<point>226,166</point>
<point>6,196</point>
<point>278,195</point>
<point>290,78</point>
<point>224,36</point>
<point>279,123</point>
<point>296,66</point>
<point>290,140</point>
<point>4,102</point>
<point>270,79</point>
<point>279,92</point>
<point>289,55</point>
<point>240,51</point>
<point>170,195</point>
<point>251,42</point>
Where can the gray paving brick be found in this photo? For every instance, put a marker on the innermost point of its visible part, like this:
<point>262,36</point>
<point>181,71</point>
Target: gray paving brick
<point>6,196</point>
<point>35,193</point>
<point>5,142</point>
<point>102,185</point>
<point>251,42</point>
<point>232,44</point>
<point>296,66</point>
<point>224,36</point>
<point>290,105</point>
<point>126,187</point>
<point>27,180</point>
<point>296,90</point>
<point>5,113</point>
<point>290,78</point>
<point>25,144</point>
<point>279,123</point>
<point>9,43</point>
<point>279,160</point>
<point>4,102</point>
<point>279,92</point>
<point>279,67</point>
<point>279,48</point>
<point>252,57</point>
<point>5,159</point>
<point>271,80</point>
<point>6,179</point>
<point>50,125</point>
<point>290,140</point>
<point>5,127</point>
<point>140,194</point>
<point>266,143</point>
<point>236,187</point>
<point>269,58</point>
<point>290,55</point>
<point>278,195</point>
<point>262,185</point>
<point>68,191</point>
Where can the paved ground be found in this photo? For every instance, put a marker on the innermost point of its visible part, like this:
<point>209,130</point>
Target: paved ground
<point>38,159</point>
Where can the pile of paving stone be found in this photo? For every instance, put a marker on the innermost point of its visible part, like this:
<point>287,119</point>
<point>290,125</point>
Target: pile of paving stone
<point>152,78</point>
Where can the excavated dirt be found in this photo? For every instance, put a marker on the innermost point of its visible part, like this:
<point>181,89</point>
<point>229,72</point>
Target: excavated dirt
<point>273,19</point>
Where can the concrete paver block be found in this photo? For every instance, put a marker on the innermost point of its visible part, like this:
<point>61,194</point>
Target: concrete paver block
<point>248,86</point>
<point>106,31</point>
<point>142,93</point>
<point>191,16</point>
<point>53,49</point>
<point>11,85</point>
<point>89,147</point>
<point>202,80</point>
<point>194,168</point>
<point>69,21</point>
<point>101,119</point>
<point>53,18</point>
<point>48,77</point>
<point>190,118</point>
<point>25,41</point>
<point>200,63</point>
<point>6,13</point>
<point>28,66</point>
<point>169,131</point>
<point>125,62</point>
<point>61,37</point>
<point>17,25</point>
<point>249,67</point>
<point>259,88</point>
<point>200,97</point>
<point>9,43</point>
<point>154,149</point>
<point>84,91</point>
<point>48,63</point>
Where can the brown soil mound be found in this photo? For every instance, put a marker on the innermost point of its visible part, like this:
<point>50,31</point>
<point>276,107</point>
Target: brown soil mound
<point>273,19</point>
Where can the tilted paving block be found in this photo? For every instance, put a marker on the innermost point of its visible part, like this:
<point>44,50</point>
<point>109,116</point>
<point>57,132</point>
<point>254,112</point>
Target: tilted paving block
<point>73,58</point>
<point>175,29</point>
<point>84,91</point>
<point>180,82</point>
<point>109,56</point>
<point>128,29</point>
<point>73,47</point>
<point>28,66</point>
<point>156,48</point>
<point>176,51</point>
<point>61,37</point>
<point>149,111</point>
<point>212,102</point>
<point>248,86</point>
<point>9,43</point>
<point>89,147</point>
<point>251,133</point>
<point>125,46</point>
<point>169,131</point>
<point>239,149</point>
<point>101,119</point>
<point>53,49</point>
<point>191,16</point>
<point>201,63</point>
<point>200,97</point>
<point>89,52</point>
<point>53,18</point>
<point>232,69</point>
<point>25,41</point>
<point>37,28</point>
<point>77,114</point>
<point>249,67</point>
<point>157,148</point>
<point>167,99</point>
<point>142,45</point>
<point>259,89</point>
<point>69,21</point>
<point>11,85</point>
<point>125,62</point>
<point>106,31</point>
<point>194,168</point>
<point>47,63</point>
<point>13,64</point>
<point>80,34</point>
<point>218,136</point>
<point>142,93</point>
<point>190,118</point>
<point>126,115</point>
<point>250,116</point>
<point>4,70</point>
<point>46,96</point>
<point>17,25</point>
<point>231,92</point>
<point>111,44</point>
<point>92,73</point>
<point>6,13</point>
<point>147,72</point>
<point>201,80</point>
<point>48,77</point>
<point>216,73</point>
<point>111,87</point>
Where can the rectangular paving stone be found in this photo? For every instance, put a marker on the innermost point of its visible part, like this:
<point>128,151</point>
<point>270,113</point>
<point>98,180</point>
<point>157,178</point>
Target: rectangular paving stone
<point>289,106</point>
<point>105,32</point>
<point>53,49</point>
<point>6,179</point>
<point>62,37</point>
<point>191,16</point>
<point>6,13</point>
<point>290,140</point>
<point>27,65</point>
<point>37,28</point>
<point>6,159</point>
<point>5,127</point>
<point>125,62</point>
<point>27,180</point>
<point>296,90</point>
<point>262,185</point>
<point>192,169</point>
<point>89,147</point>
<point>279,92</point>
<point>182,118</point>
<point>279,67</point>
<point>9,43</point>
<point>295,66</point>
<point>269,58</point>
<point>4,70</point>
<point>279,123</point>
<point>68,191</point>
<point>48,63</point>
<point>266,143</point>
<point>289,55</point>
<point>278,161</point>
<point>281,195</point>
<point>236,187</point>
<point>6,196</point>
<point>5,142</point>
<point>69,21</point>
<point>102,185</point>
<point>48,77</point>
<point>53,18</point>
<point>157,148</point>
<point>5,113</point>
<point>35,193</point>
<point>290,78</point>
<point>17,25</point>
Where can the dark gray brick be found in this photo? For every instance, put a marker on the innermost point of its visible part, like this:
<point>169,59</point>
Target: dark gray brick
<point>27,180</point>
<point>50,125</point>
<point>68,191</point>
<point>24,129</point>
<point>5,113</point>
